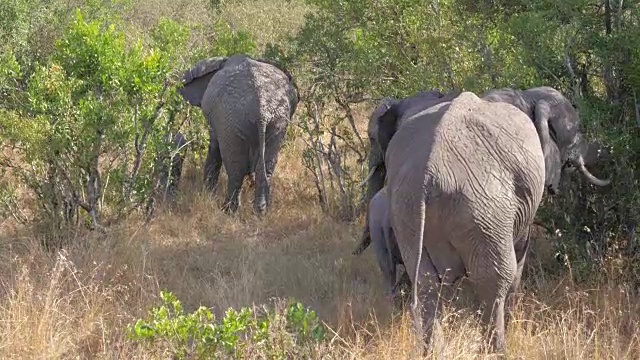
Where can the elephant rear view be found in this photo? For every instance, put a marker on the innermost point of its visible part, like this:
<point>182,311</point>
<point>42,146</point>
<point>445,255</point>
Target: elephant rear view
<point>248,105</point>
<point>464,186</point>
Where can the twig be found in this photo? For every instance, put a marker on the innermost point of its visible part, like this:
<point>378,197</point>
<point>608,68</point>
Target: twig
<point>637,107</point>
<point>352,121</point>
<point>140,145</point>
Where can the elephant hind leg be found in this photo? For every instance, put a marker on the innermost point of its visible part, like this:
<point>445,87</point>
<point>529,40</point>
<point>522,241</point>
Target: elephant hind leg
<point>425,311</point>
<point>235,155</point>
<point>273,144</point>
<point>521,249</point>
<point>493,272</point>
<point>234,186</point>
<point>212,164</point>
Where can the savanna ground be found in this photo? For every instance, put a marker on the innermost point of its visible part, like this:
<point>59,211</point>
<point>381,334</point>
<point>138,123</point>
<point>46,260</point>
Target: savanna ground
<point>76,300</point>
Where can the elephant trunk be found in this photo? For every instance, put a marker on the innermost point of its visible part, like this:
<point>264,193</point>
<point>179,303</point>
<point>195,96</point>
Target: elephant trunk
<point>590,177</point>
<point>377,173</point>
<point>375,182</point>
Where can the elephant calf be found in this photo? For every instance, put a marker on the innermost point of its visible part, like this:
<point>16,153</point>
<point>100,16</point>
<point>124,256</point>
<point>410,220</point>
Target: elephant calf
<point>384,242</point>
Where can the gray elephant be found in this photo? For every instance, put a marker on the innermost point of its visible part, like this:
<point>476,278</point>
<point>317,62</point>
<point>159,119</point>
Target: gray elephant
<point>558,126</point>
<point>377,170</point>
<point>463,186</point>
<point>384,243</point>
<point>248,105</point>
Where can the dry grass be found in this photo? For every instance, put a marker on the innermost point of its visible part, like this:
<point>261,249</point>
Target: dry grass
<point>266,20</point>
<point>76,302</point>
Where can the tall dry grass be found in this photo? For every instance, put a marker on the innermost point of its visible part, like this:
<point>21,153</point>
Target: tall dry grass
<point>76,302</point>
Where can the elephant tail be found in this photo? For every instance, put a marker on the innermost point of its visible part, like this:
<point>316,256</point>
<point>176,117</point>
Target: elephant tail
<point>262,130</point>
<point>419,243</point>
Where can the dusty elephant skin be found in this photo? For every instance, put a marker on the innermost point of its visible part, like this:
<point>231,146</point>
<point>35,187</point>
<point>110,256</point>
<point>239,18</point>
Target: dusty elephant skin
<point>558,126</point>
<point>463,186</point>
<point>384,243</point>
<point>248,105</point>
<point>377,170</point>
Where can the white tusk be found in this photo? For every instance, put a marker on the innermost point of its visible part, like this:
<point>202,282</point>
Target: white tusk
<point>364,182</point>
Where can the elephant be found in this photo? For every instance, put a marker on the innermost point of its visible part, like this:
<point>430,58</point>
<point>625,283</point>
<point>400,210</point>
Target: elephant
<point>377,170</point>
<point>384,243</point>
<point>558,126</point>
<point>248,104</point>
<point>464,186</point>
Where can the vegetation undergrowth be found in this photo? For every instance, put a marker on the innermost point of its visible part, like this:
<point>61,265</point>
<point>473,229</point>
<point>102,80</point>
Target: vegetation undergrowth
<point>98,261</point>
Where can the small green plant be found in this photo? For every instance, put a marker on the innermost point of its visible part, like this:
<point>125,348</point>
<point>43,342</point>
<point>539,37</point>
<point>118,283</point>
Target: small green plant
<point>239,333</point>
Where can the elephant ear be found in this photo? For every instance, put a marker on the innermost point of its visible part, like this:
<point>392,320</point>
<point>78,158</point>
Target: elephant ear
<point>196,80</point>
<point>387,126</point>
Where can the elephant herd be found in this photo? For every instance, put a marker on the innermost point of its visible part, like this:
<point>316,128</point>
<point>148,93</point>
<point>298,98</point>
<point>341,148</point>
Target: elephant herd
<point>454,180</point>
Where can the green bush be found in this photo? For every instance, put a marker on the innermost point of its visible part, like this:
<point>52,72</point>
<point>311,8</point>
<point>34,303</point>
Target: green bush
<point>89,114</point>
<point>287,331</point>
<point>91,118</point>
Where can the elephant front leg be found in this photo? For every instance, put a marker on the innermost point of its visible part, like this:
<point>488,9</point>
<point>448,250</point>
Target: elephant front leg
<point>212,164</point>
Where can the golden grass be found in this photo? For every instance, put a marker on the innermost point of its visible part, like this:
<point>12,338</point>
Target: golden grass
<point>76,302</point>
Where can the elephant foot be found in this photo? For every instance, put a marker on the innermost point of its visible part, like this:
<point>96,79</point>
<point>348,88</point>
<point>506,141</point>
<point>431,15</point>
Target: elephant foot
<point>260,209</point>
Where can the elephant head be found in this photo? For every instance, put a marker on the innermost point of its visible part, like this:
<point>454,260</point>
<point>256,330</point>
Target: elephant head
<point>558,126</point>
<point>380,139</point>
<point>380,132</point>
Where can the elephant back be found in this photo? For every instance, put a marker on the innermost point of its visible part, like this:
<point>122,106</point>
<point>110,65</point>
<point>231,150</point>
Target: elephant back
<point>257,91</point>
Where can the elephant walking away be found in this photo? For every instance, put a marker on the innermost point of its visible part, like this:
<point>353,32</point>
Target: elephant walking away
<point>384,244</point>
<point>377,170</point>
<point>248,105</point>
<point>463,186</point>
<point>558,126</point>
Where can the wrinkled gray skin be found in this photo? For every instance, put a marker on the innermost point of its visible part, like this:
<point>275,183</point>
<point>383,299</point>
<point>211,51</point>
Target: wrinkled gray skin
<point>377,169</point>
<point>248,105</point>
<point>558,126</point>
<point>463,186</point>
<point>384,243</point>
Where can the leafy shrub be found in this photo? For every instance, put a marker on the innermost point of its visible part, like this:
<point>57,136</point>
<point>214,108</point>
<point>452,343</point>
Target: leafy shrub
<point>83,110</point>
<point>91,122</point>
<point>290,330</point>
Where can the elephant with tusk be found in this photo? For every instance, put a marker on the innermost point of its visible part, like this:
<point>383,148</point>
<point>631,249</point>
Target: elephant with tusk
<point>558,126</point>
<point>248,105</point>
